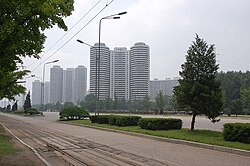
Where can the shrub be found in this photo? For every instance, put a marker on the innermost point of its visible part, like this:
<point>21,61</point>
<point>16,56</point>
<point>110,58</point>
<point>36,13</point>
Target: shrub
<point>239,132</point>
<point>101,119</point>
<point>124,120</point>
<point>32,111</point>
<point>115,120</point>
<point>73,112</point>
<point>160,123</point>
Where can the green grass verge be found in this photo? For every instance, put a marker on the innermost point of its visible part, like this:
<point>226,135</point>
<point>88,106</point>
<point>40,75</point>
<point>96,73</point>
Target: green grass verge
<point>5,145</point>
<point>201,136</point>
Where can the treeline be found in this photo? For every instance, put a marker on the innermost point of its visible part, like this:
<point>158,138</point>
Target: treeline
<point>236,92</point>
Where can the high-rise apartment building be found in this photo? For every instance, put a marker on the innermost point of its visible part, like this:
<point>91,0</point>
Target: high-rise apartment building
<point>46,92</point>
<point>166,86</point>
<point>68,81</point>
<point>56,84</point>
<point>80,83</point>
<point>36,93</point>
<point>139,71</point>
<point>104,81</point>
<point>119,73</point>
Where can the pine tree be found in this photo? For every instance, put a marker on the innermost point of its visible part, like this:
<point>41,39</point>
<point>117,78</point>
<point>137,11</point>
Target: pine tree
<point>27,103</point>
<point>198,90</point>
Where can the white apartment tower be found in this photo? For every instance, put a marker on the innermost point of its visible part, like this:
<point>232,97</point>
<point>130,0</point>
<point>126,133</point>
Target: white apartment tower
<point>80,83</point>
<point>36,92</point>
<point>56,84</point>
<point>119,73</point>
<point>104,82</point>
<point>139,71</point>
<point>68,84</point>
<point>46,92</point>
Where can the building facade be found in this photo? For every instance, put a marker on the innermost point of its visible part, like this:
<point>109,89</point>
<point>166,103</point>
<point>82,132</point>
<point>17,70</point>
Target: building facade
<point>46,92</point>
<point>104,75</point>
<point>119,73</point>
<point>68,85</point>
<point>36,93</point>
<point>56,84</point>
<point>139,71</point>
<point>80,83</point>
<point>166,86</point>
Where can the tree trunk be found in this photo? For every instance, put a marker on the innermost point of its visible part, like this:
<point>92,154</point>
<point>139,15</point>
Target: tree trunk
<point>192,122</point>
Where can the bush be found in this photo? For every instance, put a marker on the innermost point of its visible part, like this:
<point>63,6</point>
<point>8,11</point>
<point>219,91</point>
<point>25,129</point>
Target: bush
<point>73,112</point>
<point>101,119</point>
<point>115,120</point>
<point>32,111</point>
<point>124,120</point>
<point>160,123</point>
<point>239,132</point>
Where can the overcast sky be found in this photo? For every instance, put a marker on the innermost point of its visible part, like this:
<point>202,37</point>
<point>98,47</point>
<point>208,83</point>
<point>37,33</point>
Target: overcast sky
<point>167,26</point>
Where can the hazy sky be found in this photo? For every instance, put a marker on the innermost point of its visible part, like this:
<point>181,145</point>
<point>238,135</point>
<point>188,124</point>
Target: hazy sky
<point>167,26</point>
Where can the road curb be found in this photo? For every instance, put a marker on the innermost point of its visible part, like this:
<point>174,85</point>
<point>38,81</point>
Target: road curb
<point>183,142</point>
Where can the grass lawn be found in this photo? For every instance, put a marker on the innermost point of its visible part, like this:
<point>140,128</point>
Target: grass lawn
<point>5,145</point>
<point>201,136</point>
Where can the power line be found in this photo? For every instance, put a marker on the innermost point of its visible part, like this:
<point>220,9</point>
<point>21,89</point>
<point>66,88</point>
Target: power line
<point>66,33</point>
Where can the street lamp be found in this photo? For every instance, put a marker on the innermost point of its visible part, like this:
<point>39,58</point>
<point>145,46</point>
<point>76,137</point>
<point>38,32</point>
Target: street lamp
<point>42,84</point>
<point>80,41</point>
<point>113,16</point>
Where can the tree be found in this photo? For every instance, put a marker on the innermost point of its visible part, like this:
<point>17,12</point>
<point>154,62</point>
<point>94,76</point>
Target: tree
<point>14,107</point>
<point>160,103</point>
<point>146,103</point>
<point>27,102</point>
<point>235,107</point>
<point>199,90</point>
<point>245,99</point>
<point>22,23</point>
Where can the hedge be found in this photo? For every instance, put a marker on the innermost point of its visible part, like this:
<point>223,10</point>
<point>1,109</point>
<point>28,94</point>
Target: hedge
<point>115,120</point>
<point>160,123</point>
<point>239,132</point>
<point>73,112</point>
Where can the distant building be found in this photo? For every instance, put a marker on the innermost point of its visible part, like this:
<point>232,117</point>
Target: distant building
<point>166,86</point>
<point>119,73</point>
<point>68,85</point>
<point>46,92</point>
<point>56,84</point>
<point>36,93</point>
<point>104,83</point>
<point>139,71</point>
<point>80,83</point>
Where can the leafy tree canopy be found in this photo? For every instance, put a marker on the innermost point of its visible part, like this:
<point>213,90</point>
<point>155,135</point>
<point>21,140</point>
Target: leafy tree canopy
<point>22,23</point>
<point>198,90</point>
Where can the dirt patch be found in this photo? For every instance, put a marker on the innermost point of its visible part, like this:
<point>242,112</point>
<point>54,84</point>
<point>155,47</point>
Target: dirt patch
<point>22,157</point>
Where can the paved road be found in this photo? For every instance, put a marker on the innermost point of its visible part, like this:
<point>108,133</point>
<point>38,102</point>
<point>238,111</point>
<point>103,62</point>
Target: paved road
<point>170,153</point>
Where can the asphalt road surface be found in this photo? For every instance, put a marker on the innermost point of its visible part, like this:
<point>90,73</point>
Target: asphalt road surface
<point>81,145</point>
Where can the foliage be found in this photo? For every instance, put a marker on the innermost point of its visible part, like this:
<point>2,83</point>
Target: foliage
<point>8,108</point>
<point>115,120</point>
<point>14,107</point>
<point>32,111</point>
<point>22,23</point>
<point>233,84</point>
<point>245,99</point>
<point>9,86</point>
<point>160,123</point>
<point>124,120</point>
<point>235,107</point>
<point>73,112</point>
<point>237,132</point>
<point>160,103</point>
<point>146,103</point>
<point>27,102</point>
<point>198,90</point>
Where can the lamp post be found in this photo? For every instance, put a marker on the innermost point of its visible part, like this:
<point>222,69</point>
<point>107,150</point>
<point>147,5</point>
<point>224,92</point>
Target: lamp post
<point>80,41</point>
<point>42,84</point>
<point>113,16</point>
